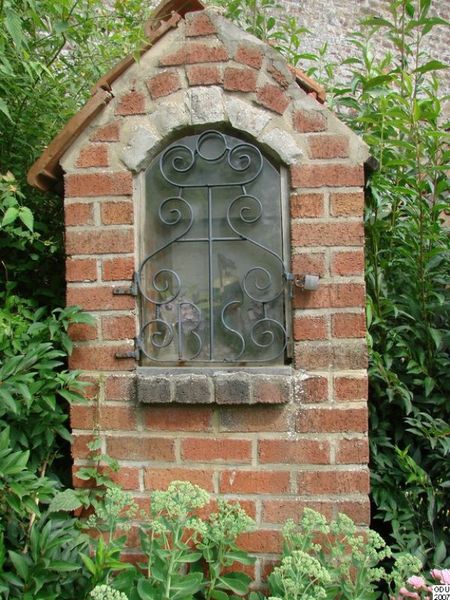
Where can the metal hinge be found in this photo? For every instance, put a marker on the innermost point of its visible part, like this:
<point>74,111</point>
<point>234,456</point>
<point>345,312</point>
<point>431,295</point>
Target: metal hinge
<point>135,354</point>
<point>131,290</point>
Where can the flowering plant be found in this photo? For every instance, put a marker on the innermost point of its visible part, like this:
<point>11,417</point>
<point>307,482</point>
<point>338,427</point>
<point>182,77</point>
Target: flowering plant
<point>418,588</point>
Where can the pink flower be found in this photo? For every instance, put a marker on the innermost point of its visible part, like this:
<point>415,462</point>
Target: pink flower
<point>442,575</point>
<point>417,582</point>
<point>407,594</point>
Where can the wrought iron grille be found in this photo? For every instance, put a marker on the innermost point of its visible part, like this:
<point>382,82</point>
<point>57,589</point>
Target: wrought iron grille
<point>212,278</point>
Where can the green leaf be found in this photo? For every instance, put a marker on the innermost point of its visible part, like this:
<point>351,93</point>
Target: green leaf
<point>14,27</point>
<point>145,590</point>
<point>432,65</point>
<point>62,566</point>
<point>10,216</point>
<point>4,109</point>
<point>67,501</point>
<point>218,595</point>
<point>236,582</point>
<point>26,216</point>
<point>440,553</point>
<point>20,563</point>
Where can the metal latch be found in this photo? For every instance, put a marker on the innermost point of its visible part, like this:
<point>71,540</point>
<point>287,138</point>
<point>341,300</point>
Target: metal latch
<point>307,283</point>
<point>135,354</point>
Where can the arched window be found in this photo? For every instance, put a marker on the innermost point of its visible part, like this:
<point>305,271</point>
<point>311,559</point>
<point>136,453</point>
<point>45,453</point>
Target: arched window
<point>212,278</point>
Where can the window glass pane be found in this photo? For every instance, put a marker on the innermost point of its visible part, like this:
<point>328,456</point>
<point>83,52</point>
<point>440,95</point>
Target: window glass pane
<point>211,279</point>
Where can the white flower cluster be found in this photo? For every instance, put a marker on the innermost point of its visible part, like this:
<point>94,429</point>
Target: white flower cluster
<point>106,592</point>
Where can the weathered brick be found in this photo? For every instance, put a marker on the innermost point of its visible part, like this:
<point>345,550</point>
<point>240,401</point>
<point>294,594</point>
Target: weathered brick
<point>120,387</point>
<point>118,268</point>
<point>160,479</point>
<point>205,53</point>
<point>328,146</point>
<point>83,417</point>
<point>204,75</point>
<point>328,234</point>
<point>333,482</point>
<point>344,204</point>
<point>191,389</point>
<point>178,418</point>
<point>249,55</point>
<point>312,452</point>
<point>310,328</point>
<point>331,174</point>
<point>216,450</point>
<point>117,213</point>
<point>332,420</point>
<point>253,418</point>
<point>315,389</point>
<point>118,328</point>
<point>254,482</point>
<point>132,103</point>
<point>164,84</point>
<point>312,263</point>
<point>95,241</point>
<point>140,448</point>
<point>240,80</point>
<point>82,332</point>
<point>347,262</point>
<point>338,295</point>
<point>348,325</point>
<point>80,447</point>
<point>307,121</point>
<point>98,298</point>
<point>199,23</point>
<point>261,541</point>
<point>352,451</point>
<point>357,510</point>
<point>100,358</point>
<point>338,355</point>
<point>348,388</point>
<point>94,155</point>
<point>91,387</point>
<point>279,511</point>
<point>99,184</point>
<point>273,98</point>
<point>106,133</point>
<point>81,213</point>
<point>234,389</point>
<point>155,389</point>
<point>275,390</point>
<point>307,205</point>
<point>81,269</point>
<point>119,418</point>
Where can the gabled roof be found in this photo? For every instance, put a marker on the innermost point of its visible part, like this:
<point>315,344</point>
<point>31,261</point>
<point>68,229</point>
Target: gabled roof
<point>46,173</point>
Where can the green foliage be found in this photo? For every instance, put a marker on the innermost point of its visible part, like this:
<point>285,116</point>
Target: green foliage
<point>328,560</point>
<point>395,105</point>
<point>51,54</point>
<point>187,557</point>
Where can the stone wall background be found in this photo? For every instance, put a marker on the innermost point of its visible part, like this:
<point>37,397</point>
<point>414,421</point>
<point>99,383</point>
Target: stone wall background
<point>332,20</point>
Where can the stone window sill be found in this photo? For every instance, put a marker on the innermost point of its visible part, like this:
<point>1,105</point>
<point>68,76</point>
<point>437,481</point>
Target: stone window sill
<point>215,385</point>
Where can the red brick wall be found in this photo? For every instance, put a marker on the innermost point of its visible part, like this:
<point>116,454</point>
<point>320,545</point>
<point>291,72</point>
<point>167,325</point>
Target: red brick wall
<point>274,458</point>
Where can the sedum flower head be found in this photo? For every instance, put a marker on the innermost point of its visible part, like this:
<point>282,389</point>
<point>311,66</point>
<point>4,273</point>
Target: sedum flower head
<point>228,522</point>
<point>106,592</point>
<point>179,500</point>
